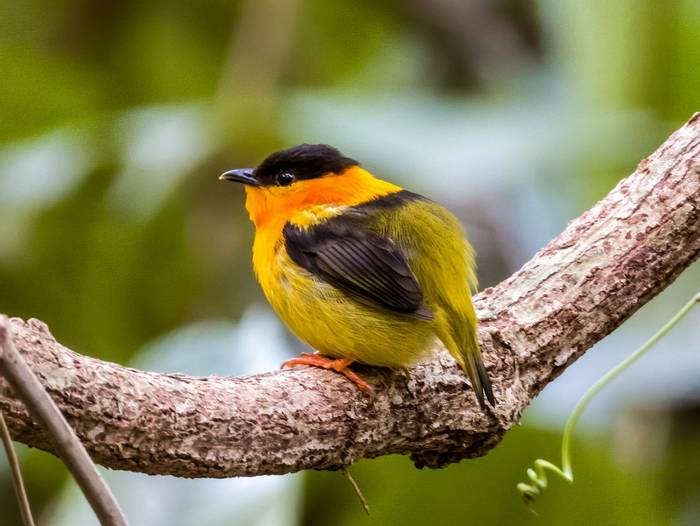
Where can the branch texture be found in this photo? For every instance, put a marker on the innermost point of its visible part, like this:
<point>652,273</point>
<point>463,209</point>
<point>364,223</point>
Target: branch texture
<point>606,265</point>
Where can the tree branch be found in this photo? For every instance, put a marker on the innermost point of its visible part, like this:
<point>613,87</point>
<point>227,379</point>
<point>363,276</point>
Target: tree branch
<point>606,265</point>
<point>63,440</point>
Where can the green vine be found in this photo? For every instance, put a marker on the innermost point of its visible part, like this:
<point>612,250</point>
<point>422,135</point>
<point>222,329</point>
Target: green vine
<point>538,475</point>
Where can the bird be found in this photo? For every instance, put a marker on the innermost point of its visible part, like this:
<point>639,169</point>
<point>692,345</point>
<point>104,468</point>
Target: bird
<point>359,268</point>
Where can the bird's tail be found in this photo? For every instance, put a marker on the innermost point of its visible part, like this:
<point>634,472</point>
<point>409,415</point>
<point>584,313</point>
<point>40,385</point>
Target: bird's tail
<point>458,333</point>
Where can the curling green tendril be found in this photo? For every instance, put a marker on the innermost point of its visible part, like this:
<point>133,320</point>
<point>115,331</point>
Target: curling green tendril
<point>538,476</point>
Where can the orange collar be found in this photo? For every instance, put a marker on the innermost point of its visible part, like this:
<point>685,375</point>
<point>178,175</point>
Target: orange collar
<point>273,207</point>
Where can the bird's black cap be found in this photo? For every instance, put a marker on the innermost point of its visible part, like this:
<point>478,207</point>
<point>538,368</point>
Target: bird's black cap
<point>305,161</point>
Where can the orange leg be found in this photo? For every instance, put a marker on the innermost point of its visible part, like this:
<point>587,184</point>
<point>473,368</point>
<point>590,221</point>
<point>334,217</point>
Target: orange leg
<point>338,365</point>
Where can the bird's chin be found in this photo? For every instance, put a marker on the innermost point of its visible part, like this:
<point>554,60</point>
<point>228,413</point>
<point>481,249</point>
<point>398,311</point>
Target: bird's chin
<point>253,190</point>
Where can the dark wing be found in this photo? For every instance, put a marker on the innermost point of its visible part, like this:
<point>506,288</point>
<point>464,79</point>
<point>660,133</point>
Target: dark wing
<point>369,268</point>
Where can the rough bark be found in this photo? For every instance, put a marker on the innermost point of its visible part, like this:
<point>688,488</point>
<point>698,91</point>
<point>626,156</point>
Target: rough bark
<point>607,264</point>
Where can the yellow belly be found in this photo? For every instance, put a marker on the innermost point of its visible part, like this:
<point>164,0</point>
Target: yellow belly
<point>339,326</point>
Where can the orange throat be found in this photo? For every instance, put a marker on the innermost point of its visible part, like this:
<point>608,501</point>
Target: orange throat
<point>271,208</point>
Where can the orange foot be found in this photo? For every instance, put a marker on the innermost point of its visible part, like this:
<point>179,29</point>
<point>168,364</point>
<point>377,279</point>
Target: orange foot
<point>340,366</point>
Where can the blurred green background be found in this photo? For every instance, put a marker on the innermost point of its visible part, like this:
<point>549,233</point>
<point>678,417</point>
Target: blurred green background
<point>117,117</point>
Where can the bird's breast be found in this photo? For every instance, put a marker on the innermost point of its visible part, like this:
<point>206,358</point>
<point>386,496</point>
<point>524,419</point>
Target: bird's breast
<point>274,269</point>
<point>268,256</point>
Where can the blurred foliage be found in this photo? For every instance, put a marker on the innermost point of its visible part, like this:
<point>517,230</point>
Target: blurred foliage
<point>482,491</point>
<point>117,117</point>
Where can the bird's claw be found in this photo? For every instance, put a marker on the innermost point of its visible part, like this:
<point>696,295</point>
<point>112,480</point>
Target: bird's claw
<point>339,365</point>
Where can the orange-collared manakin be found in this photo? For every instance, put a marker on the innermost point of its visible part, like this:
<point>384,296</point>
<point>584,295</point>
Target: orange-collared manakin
<point>359,268</point>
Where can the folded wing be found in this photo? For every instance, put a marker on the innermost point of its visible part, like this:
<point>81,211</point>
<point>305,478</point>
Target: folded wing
<point>371,269</point>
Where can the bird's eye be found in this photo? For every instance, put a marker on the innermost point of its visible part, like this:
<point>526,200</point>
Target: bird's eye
<point>285,178</point>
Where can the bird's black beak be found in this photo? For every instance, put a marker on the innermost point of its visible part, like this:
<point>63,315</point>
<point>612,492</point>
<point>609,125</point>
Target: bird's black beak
<point>241,175</point>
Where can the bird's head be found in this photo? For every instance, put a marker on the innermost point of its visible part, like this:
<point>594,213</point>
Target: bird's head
<point>301,177</point>
<point>286,168</point>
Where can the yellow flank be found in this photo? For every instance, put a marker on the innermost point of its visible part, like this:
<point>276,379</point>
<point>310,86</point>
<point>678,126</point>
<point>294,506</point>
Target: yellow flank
<point>337,325</point>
